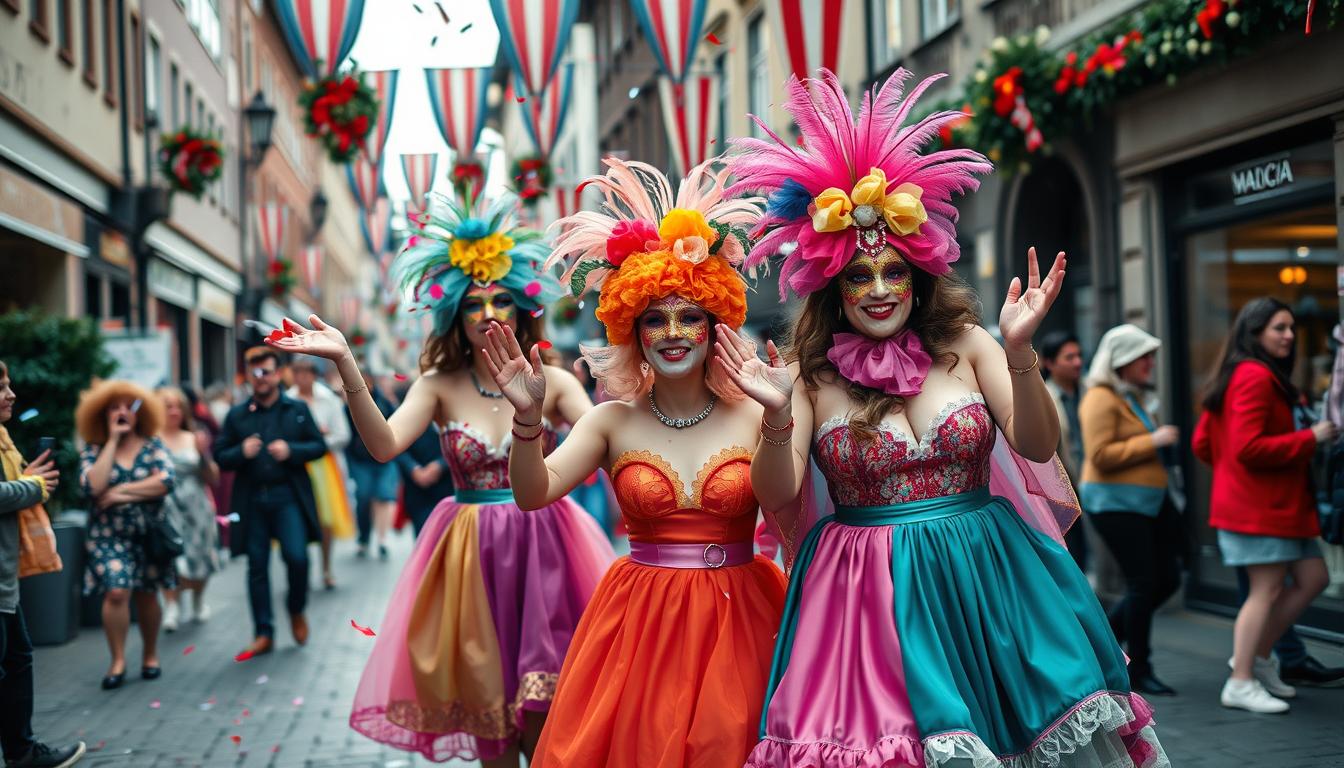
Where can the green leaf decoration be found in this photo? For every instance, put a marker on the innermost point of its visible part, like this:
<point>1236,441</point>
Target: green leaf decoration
<point>579,279</point>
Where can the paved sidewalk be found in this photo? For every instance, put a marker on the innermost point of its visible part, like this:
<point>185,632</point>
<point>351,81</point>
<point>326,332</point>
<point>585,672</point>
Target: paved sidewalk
<point>290,708</point>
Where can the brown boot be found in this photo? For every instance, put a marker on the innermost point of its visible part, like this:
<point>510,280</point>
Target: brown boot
<point>260,645</point>
<point>299,625</point>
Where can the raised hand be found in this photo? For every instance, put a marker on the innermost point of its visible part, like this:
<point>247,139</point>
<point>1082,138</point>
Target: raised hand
<point>321,340</point>
<point>523,382</point>
<point>770,384</point>
<point>1025,309</point>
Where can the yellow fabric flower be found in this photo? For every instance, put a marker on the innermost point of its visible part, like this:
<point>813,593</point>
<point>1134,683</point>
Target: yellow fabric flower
<point>871,189</point>
<point>485,260</point>
<point>831,211</point>
<point>904,211</point>
<point>684,222</point>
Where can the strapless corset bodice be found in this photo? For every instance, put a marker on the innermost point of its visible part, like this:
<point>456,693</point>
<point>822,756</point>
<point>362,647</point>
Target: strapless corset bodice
<point>952,457</point>
<point>656,507</point>
<point>477,464</point>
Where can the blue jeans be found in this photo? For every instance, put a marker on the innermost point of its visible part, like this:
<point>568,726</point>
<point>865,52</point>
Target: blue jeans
<point>276,514</point>
<point>16,686</point>
<point>1289,648</point>
<point>373,482</point>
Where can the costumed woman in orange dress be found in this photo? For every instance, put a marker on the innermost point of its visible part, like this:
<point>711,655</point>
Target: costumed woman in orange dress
<point>469,651</point>
<point>669,664</point>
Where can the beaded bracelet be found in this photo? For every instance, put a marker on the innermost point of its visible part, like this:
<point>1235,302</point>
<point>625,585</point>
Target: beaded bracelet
<point>773,441</point>
<point>766,425</point>
<point>525,438</point>
<point>1035,358</point>
<point>525,424</point>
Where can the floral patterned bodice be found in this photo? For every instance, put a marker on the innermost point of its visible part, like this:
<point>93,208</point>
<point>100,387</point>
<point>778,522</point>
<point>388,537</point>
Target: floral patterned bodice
<point>475,463</point>
<point>952,457</point>
<point>656,507</point>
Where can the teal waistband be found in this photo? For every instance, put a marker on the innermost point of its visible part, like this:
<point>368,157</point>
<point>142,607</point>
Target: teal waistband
<point>483,496</point>
<point>914,511</point>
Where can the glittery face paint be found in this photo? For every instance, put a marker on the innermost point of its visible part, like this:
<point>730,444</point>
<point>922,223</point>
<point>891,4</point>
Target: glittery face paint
<point>674,336</point>
<point>886,274</point>
<point>878,293</point>
<point>483,304</point>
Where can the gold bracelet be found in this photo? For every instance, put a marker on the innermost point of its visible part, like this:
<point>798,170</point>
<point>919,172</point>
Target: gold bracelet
<point>772,441</point>
<point>1035,358</point>
<point>356,390</point>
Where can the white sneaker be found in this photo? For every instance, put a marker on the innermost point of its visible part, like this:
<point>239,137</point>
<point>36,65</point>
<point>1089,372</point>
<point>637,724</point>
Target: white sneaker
<point>1267,672</point>
<point>202,613</point>
<point>1251,696</point>
<point>170,615</point>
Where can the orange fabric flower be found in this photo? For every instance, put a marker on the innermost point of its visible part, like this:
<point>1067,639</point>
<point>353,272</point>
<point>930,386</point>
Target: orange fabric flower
<point>646,277</point>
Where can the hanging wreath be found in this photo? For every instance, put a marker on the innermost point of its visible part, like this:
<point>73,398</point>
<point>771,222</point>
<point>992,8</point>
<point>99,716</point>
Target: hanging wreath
<point>280,277</point>
<point>468,179</point>
<point>339,110</point>
<point>533,176</point>
<point>190,160</point>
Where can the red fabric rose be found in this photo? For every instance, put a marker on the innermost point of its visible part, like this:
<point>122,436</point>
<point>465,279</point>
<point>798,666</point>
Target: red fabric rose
<point>629,236</point>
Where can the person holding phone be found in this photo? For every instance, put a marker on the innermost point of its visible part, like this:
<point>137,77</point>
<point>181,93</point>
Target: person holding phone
<point>20,488</point>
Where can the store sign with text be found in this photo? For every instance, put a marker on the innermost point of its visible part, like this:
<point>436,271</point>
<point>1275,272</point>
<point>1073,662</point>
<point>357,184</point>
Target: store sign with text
<point>1263,178</point>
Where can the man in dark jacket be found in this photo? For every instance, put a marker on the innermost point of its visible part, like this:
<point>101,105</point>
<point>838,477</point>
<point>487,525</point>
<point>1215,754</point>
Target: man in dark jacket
<point>266,440</point>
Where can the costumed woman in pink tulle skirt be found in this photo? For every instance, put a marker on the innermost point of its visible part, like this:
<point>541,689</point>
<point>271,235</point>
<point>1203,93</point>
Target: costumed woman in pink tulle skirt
<point>469,651</point>
<point>930,620</point>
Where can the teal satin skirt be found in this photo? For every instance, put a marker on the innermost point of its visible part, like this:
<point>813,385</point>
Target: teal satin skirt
<point>1000,633</point>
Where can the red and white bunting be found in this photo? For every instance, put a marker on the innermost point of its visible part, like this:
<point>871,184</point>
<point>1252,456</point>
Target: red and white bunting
<point>377,223</point>
<point>534,34</point>
<point>271,221</point>
<point>672,29</point>
<point>384,84</point>
<point>350,306</point>
<point>691,115</point>
<point>420,172</point>
<point>812,31</point>
<point>366,180</point>
<point>319,32</point>
<point>457,98</point>
<point>310,258</point>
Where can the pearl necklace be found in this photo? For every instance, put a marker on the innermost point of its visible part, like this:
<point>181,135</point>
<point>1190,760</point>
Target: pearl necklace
<point>682,423</point>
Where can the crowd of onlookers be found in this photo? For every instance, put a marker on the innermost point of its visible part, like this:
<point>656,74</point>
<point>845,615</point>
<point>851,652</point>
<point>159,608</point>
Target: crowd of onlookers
<point>1264,444</point>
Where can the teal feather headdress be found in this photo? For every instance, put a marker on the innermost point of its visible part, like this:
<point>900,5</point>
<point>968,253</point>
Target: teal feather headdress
<point>474,243</point>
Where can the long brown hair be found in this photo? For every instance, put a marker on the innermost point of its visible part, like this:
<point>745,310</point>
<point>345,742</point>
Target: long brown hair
<point>449,351</point>
<point>1243,344</point>
<point>944,306</point>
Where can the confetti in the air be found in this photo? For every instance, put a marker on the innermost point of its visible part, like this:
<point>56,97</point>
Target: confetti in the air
<point>365,630</point>
<point>298,701</point>
<point>264,679</point>
<point>433,41</point>
<point>436,291</point>
<point>442,12</point>
<point>243,656</point>
<point>713,39</point>
<point>155,704</point>
<point>187,651</point>
<point>236,739</point>
<point>399,376</point>
<point>532,289</point>
<point>417,8</point>
<point>520,99</point>
<point>464,29</point>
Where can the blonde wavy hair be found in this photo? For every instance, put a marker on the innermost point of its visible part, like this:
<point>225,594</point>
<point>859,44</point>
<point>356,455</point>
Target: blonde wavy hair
<point>91,414</point>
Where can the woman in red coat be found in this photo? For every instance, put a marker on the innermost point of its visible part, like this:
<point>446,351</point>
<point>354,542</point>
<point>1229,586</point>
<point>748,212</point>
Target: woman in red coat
<point>1262,503</point>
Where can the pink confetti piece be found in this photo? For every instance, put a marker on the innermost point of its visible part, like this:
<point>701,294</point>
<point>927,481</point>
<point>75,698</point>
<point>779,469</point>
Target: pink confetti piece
<point>298,701</point>
<point>713,39</point>
<point>399,376</point>
<point>247,713</point>
<point>187,651</point>
<point>436,291</point>
<point>236,739</point>
<point>275,749</point>
<point>364,630</point>
<point>155,704</point>
<point>532,289</point>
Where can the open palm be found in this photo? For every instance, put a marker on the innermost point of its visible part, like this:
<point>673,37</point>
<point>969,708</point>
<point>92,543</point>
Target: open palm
<point>769,384</point>
<point>321,340</point>
<point>1025,309</point>
<point>523,382</point>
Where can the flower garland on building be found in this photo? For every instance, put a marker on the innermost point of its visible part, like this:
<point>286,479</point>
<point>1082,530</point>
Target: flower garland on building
<point>280,279</point>
<point>1023,95</point>
<point>533,176</point>
<point>468,178</point>
<point>191,160</point>
<point>339,110</point>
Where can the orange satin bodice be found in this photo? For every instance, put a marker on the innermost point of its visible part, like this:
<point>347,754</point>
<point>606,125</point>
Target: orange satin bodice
<point>721,507</point>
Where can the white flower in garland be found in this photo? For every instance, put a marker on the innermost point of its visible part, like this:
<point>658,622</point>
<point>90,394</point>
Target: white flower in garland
<point>999,44</point>
<point>981,75</point>
<point>1206,47</point>
<point>1192,46</point>
<point>1165,48</point>
<point>1042,35</point>
<point>1022,41</point>
<point>1150,59</point>
<point>1232,19</point>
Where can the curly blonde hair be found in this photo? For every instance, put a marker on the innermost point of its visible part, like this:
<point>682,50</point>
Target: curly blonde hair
<point>91,414</point>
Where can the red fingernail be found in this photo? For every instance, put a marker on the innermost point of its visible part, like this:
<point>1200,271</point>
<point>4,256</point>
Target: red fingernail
<point>544,344</point>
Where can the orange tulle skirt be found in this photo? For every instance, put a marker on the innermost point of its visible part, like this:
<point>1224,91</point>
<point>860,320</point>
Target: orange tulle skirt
<point>667,669</point>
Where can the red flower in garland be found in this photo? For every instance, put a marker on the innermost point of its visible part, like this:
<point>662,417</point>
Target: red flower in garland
<point>1007,87</point>
<point>1210,14</point>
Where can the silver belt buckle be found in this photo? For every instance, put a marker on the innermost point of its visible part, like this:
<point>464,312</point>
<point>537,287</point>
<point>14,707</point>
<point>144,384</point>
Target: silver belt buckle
<point>710,561</point>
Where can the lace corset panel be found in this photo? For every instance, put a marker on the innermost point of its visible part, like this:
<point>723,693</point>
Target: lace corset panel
<point>952,457</point>
<point>474,462</point>
<point>720,507</point>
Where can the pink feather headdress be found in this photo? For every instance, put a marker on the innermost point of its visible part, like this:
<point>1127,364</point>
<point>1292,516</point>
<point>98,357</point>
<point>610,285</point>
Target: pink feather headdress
<point>854,184</point>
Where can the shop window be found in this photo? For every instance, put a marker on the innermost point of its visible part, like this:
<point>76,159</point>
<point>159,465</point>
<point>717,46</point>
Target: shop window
<point>65,33</point>
<point>1293,257</point>
<point>88,42</point>
<point>93,297</point>
<point>119,309</point>
<point>109,53</point>
<point>174,111</point>
<point>188,99</point>
<point>137,81</point>
<point>38,22</point>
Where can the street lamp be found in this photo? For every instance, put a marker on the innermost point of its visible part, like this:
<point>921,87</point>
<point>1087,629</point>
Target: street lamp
<point>258,120</point>
<point>317,210</point>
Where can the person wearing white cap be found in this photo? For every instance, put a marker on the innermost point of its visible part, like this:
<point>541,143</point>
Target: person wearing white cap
<point>1124,489</point>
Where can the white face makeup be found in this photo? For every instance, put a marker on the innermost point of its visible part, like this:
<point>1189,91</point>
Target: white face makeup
<point>674,336</point>
<point>877,293</point>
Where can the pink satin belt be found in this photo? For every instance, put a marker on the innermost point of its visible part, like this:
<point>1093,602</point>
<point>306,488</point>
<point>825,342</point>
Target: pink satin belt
<point>691,555</point>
